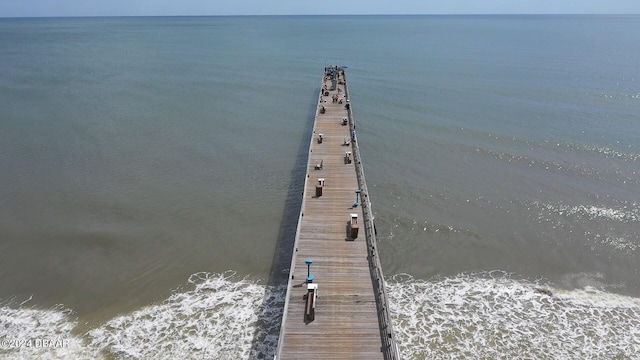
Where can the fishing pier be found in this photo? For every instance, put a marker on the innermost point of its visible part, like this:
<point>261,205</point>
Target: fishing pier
<point>336,305</point>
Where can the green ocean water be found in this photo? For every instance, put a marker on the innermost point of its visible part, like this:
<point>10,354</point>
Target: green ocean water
<point>144,158</point>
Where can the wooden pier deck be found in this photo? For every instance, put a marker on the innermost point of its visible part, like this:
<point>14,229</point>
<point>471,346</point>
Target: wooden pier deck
<point>350,319</point>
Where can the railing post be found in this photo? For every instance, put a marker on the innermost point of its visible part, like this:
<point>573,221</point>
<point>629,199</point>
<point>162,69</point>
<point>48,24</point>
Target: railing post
<point>391,351</point>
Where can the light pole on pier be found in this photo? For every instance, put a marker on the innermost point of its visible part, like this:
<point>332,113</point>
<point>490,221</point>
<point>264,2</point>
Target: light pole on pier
<point>310,276</point>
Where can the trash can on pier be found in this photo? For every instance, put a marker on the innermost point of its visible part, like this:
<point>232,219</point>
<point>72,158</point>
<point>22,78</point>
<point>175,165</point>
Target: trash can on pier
<point>319,187</point>
<point>353,226</point>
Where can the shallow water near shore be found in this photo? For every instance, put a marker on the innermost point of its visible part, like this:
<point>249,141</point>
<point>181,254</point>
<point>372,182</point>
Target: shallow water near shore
<point>152,166</point>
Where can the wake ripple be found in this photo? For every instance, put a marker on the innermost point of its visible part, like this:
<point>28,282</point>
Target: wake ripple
<point>605,151</point>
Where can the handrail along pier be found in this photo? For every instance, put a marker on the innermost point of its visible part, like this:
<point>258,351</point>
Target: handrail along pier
<point>333,262</point>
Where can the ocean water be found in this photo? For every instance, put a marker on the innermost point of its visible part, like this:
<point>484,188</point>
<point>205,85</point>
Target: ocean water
<point>152,169</point>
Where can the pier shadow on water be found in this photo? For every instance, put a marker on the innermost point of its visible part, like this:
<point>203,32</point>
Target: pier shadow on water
<point>283,252</point>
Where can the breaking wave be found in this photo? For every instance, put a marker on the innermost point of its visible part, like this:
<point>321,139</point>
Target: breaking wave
<point>217,319</point>
<point>482,315</point>
<point>220,317</point>
<point>492,316</point>
<point>32,334</point>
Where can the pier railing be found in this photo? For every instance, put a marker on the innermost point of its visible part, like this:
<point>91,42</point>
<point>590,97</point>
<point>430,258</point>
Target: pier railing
<point>295,244</point>
<point>389,346</point>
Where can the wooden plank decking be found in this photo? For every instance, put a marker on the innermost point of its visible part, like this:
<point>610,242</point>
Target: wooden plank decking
<point>346,323</point>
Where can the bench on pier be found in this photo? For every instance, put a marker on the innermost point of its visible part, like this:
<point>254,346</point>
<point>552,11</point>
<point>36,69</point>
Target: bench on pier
<point>319,165</point>
<point>310,308</point>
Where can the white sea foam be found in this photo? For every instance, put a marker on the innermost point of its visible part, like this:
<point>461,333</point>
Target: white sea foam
<point>485,315</point>
<point>28,333</point>
<point>492,316</point>
<point>219,317</point>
